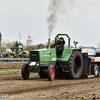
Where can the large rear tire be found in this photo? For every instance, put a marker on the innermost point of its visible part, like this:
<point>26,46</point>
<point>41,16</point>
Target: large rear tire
<point>75,66</point>
<point>24,72</point>
<point>51,72</point>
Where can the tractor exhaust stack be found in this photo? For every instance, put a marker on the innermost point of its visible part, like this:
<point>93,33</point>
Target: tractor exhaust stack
<point>49,43</point>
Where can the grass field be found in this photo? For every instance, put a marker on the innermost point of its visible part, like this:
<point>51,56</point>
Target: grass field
<point>8,69</point>
<point>4,70</point>
<point>10,73</point>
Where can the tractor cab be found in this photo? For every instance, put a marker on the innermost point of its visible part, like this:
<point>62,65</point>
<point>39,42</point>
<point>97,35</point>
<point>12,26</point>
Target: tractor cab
<point>59,50</point>
<point>15,50</point>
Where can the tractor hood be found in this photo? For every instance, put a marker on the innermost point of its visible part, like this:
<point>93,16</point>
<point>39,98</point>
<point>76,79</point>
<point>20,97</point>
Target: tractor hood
<point>42,55</point>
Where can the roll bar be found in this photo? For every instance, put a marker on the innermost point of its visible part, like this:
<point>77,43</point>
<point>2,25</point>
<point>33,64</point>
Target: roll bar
<point>67,37</point>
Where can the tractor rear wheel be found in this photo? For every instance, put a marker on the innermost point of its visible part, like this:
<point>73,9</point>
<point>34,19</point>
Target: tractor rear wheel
<point>75,66</point>
<point>51,72</point>
<point>24,71</point>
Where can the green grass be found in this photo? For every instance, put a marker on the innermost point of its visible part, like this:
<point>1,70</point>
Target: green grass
<point>8,69</point>
<point>10,73</point>
<point>7,63</point>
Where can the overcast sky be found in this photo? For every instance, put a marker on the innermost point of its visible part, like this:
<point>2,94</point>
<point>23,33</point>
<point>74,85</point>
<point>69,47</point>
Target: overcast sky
<point>81,21</point>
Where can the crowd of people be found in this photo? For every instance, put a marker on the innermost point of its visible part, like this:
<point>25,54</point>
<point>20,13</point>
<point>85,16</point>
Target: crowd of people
<point>9,55</point>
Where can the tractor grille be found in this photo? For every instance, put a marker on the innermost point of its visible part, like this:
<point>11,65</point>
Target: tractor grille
<point>34,56</point>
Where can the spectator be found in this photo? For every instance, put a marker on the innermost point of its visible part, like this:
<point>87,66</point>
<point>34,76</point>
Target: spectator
<point>27,55</point>
<point>15,56</point>
<point>2,55</point>
<point>8,57</point>
<point>22,55</point>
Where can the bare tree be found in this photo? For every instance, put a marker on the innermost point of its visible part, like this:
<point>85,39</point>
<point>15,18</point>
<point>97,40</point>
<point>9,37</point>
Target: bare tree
<point>15,44</point>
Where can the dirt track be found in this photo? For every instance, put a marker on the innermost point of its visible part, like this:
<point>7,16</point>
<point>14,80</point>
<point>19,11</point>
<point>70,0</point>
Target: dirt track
<point>11,65</point>
<point>41,89</point>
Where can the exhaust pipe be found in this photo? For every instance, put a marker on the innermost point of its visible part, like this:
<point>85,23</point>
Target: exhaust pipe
<point>49,43</point>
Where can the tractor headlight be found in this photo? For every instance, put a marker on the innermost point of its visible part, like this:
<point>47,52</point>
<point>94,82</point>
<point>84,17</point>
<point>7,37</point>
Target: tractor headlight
<point>37,64</point>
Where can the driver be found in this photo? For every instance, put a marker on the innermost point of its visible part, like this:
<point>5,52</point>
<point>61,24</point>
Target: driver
<point>59,46</point>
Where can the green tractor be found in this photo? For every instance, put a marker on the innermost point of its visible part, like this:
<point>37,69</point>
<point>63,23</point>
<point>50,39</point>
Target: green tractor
<point>47,64</point>
<point>17,50</point>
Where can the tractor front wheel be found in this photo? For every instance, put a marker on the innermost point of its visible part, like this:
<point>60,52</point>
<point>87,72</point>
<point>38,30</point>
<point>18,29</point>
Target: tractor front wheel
<point>51,72</point>
<point>24,71</point>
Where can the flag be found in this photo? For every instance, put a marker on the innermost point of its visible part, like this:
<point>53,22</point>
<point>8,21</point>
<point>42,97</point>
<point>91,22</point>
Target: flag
<point>20,39</point>
<point>30,38</point>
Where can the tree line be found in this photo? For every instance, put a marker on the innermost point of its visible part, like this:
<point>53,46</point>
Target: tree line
<point>28,45</point>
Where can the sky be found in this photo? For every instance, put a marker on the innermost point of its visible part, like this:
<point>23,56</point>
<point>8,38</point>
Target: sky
<point>80,19</point>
